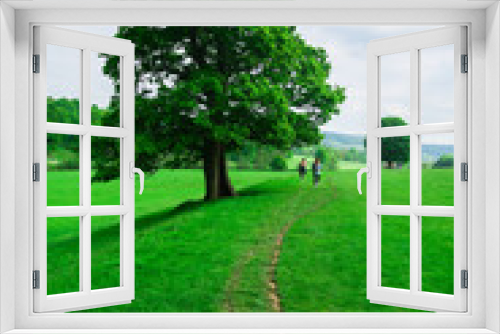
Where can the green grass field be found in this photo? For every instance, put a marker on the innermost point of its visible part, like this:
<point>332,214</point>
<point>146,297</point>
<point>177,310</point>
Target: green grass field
<point>193,256</point>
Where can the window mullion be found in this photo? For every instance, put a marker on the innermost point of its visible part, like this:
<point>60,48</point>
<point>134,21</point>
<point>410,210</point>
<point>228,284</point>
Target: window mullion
<point>414,172</point>
<point>85,254</point>
<point>425,129</point>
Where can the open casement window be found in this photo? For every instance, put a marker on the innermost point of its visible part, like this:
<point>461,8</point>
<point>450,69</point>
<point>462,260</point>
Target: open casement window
<point>68,232</point>
<point>417,241</point>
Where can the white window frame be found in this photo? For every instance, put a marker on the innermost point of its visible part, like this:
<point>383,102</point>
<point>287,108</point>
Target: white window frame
<point>484,52</point>
<point>412,44</point>
<point>86,297</point>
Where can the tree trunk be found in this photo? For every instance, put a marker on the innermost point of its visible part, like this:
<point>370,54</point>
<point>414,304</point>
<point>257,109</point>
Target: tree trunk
<point>217,182</point>
<point>211,165</point>
<point>225,187</point>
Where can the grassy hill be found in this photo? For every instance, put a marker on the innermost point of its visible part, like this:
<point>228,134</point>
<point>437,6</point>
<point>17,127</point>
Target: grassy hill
<point>430,153</point>
<point>343,140</point>
<point>193,256</point>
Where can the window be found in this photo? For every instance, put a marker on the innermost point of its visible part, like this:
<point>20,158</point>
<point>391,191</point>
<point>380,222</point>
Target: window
<point>79,284</point>
<point>417,212</point>
<point>386,284</point>
<point>23,164</point>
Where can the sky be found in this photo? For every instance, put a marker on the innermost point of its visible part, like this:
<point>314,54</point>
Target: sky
<point>346,49</point>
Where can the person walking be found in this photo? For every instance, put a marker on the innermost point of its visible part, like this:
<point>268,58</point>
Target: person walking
<point>302,168</point>
<point>316,168</point>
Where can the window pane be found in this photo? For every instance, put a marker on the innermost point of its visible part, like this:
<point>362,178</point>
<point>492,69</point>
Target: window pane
<point>395,89</point>
<point>395,172</point>
<point>63,165</point>
<point>104,95</point>
<point>105,252</point>
<point>437,169</point>
<point>63,84</point>
<point>105,189</point>
<point>63,255</point>
<point>436,84</point>
<point>395,251</point>
<point>437,254</point>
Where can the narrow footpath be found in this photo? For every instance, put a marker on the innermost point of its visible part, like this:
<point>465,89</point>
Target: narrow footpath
<point>274,247</point>
<point>274,295</point>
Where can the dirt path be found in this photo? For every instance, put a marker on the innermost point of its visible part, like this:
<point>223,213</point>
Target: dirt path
<point>234,281</point>
<point>230,304</point>
<point>272,283</point>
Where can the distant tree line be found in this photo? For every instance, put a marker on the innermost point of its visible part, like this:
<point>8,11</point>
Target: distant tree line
<point>444,162</point>
<point>256,156</point>
<point>63,150</point>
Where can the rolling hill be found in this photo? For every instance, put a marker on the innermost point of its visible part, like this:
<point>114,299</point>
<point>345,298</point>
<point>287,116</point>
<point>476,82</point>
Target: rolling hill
<point>430,153</point>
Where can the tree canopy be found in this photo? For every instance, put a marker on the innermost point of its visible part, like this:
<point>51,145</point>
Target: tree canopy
<point>206,91</point>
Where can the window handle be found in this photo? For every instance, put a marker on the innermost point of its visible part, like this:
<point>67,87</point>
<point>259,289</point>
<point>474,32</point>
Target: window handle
<point>368,171</point>
<point>141,175</point>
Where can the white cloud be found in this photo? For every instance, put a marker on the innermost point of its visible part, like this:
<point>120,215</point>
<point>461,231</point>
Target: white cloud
<point>346,46</point>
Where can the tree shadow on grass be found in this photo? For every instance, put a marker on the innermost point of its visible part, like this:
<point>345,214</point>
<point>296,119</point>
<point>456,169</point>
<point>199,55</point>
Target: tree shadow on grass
<point>270,187</point>
<point>260,191</point>
<point>159,217</point>
<point>192,205</point>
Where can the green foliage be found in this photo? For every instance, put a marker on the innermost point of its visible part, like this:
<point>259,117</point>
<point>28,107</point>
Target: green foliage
<point>354,155</point>
<point>307,151</point>
<point>340,154</point>
<point>321,154</point>
<point>107,149</point>
<point>392,121</point>
<point>255,156</point>
<point>63,110</point>
<point>395,149</point>
<point>63,159</point>
<point>445,161</point>
<point>327,156</point>
<point>59,142</point>
<point>249,157</point>
<point>63,150</point>
<point>226,85</point>
<point>278,163</point>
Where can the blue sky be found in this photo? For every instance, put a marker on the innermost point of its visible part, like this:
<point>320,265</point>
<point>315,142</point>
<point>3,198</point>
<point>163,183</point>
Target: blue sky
<point>346,47</point>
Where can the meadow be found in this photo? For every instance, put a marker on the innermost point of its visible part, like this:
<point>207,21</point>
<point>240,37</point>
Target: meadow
<point>196,256</point>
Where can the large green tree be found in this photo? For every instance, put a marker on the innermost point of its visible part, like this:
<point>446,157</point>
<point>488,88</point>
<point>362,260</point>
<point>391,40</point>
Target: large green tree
<point>205,91</point>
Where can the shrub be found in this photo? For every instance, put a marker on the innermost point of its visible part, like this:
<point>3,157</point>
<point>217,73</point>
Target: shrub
<point>321,153</point>
<point>278,163</point>
<point>63,160</point>
<point>327,156</point>
<point>445,161</point>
